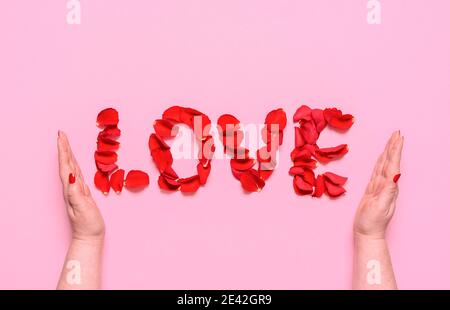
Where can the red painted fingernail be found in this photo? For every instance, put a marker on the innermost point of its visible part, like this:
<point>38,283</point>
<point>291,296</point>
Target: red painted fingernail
<point>71,178</point>
<point>396,177</point>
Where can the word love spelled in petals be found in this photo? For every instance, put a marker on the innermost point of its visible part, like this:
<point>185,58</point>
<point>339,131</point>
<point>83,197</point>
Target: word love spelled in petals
<point>252,173</point>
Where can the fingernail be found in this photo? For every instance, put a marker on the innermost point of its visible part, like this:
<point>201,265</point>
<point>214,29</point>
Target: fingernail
<point>71,178</point>
<point>396,177</point>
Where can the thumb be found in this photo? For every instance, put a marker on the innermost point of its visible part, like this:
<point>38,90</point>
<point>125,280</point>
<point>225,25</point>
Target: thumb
<point>75,191</point>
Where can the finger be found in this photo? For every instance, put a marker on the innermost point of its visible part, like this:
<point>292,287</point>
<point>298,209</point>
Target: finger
<point>73,163</point>
<point>375,185</point>
<point>375,173</point>
<point>69,165</point>
<point>78,171</point>
<point>382,159</point>
<point>378,169</point>
<point>71,157</point>
<point>371,187</point>
<point>63,158</point>
<point>393,167</point>
<point>75,193</point>
<point>393,142</point>
<point>388,165</point>
<point>86,190</point>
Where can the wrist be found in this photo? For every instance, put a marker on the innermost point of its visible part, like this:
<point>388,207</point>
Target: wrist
<point>358,236</point>
<point>88,241</point>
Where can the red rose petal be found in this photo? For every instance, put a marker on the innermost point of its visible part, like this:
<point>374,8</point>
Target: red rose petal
<point>344,122</point>
<point>106,158</point>
<point>334,178</point>
<point>333,190</point>
<point>190,185</point>
<point>169,173</point>
<point>296,170</point>
<point>111,132</point>
<point>106,168</point>
<point>309,177</point>
<point>276,117</point>
<point>201,126</point>
<point>301,187</point>
<point>299,141</point>
<point>329,114</point>
<point>232,142</point>
<point>203,173</point>
<point>167,184</point>
<point>311,148</point>
<point>300,154</point>
<point>266,135</point>
<point>273,139</point>
<point>326,155</point>
<point>309,132</point>
<point>117,180</point>
<point>162,158</point>
<point>263,155</point>
<point>204,162</point>
<point>242,164</point>
<point>187,116</point>
<point>268,166</point>
<point>172,114</point>
<point>302,114</point>
<point>320,186</point>
<point>101,182</point>
<point>306,163</point>
<point>266,158</point>
<point>227,123</point>
<point>251,182</point>
<point>206,153</point>
<point>241,153</point>
<point>263,173</point>
<point>107,145</point>
<point>237,173</point>
<point>155,143</point>
<point>279,135</point>
<point>108,117</point>
<point>136,180</point>
<point>172,182</point>
<point>335,119</point>
<point>165,129</point>
<point>319,119</point>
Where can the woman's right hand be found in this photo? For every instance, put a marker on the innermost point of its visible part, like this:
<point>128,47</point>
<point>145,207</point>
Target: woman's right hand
<point>85,218</point>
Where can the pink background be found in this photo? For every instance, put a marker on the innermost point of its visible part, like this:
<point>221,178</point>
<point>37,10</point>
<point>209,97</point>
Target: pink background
<point>234,56</point>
